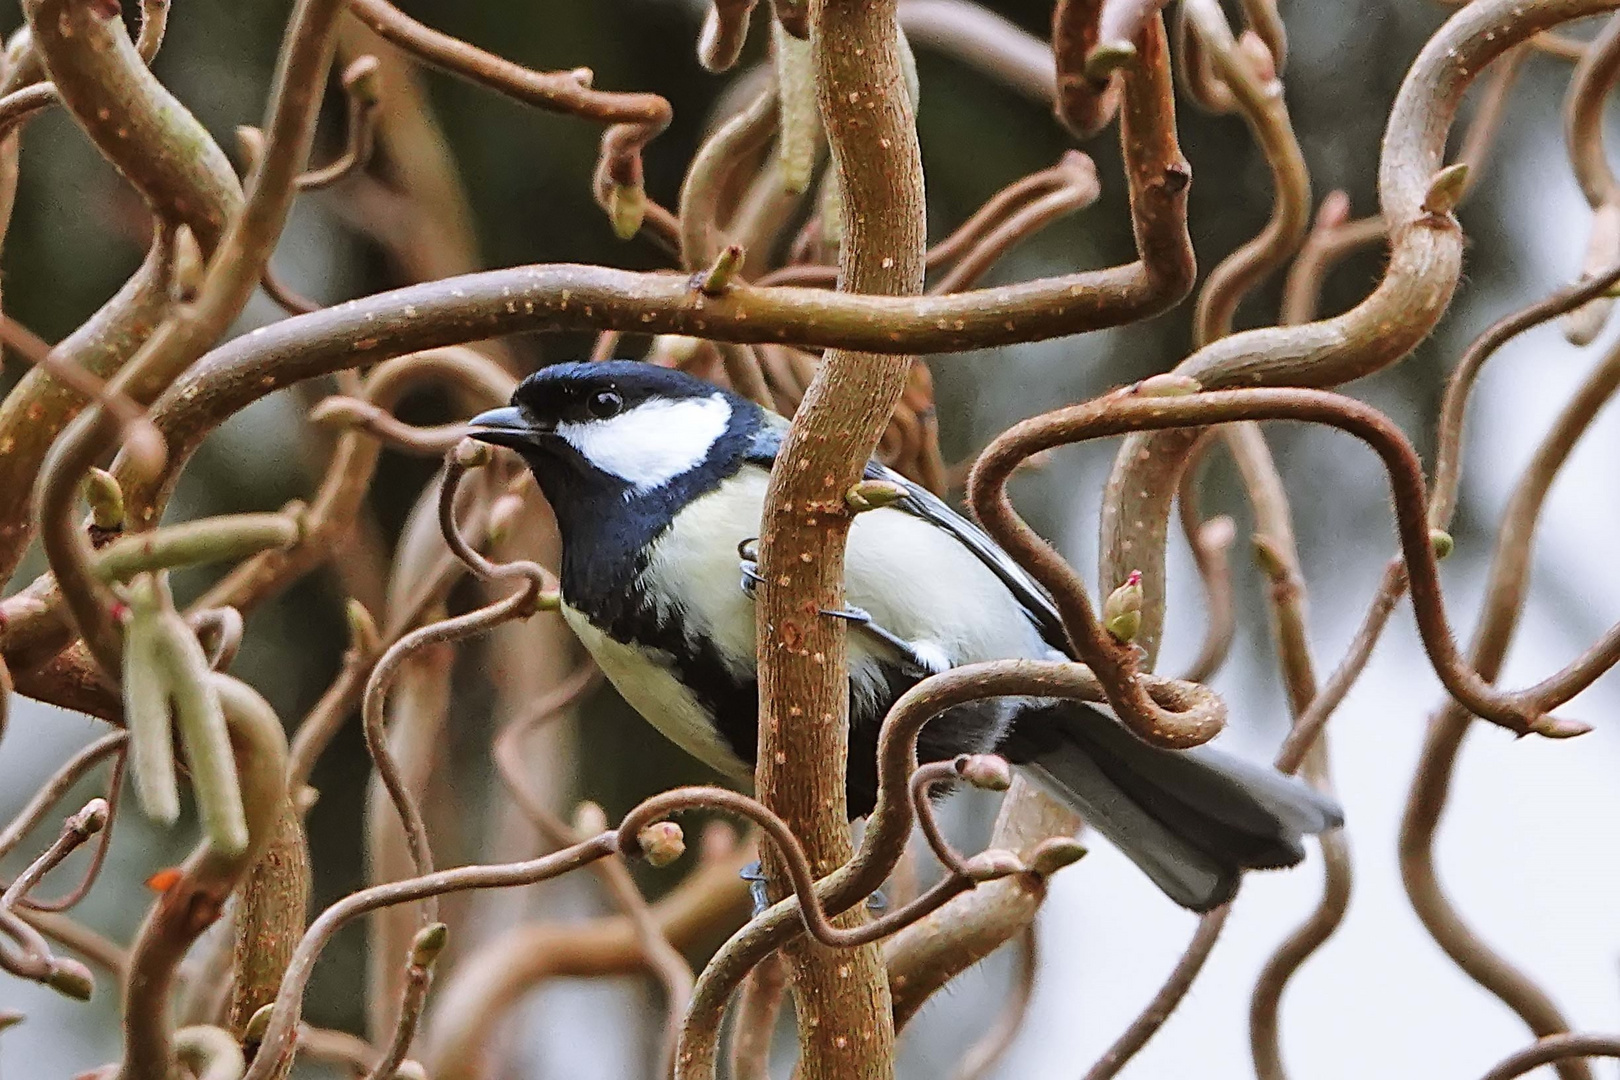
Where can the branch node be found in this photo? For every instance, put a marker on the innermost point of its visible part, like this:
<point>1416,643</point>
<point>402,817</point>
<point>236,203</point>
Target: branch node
<point>993,864</point>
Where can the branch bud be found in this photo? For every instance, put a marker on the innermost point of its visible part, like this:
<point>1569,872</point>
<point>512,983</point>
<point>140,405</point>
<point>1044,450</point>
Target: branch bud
<point>626,206</point>
<point>873,495</point>
<point>428,943</point>
<point>589,819</point>
<point>503,515</point>
<point>1258,56</point>
<point>1446,189</point>
<point>987,771</point>
<point>1167,384</point>
<point>1553,727</point>
<point>1441,542</point>
<point>1107,57</point>
<point>68,976</point>
<point>1585,323</point>
<point>364,637</point>
<point>1122,611</point>
<point>90,820</point>
<point>1054,853</point>
<point>468,453</point>
<point>105,499</point>
<point>718,277</point>
<point>258,1024</point>
<point>661,843</point>
<point>361,82</point>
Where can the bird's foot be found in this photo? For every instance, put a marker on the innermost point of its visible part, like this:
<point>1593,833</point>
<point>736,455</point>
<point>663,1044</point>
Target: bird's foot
<point>754,874</point>
<point>748,554</point>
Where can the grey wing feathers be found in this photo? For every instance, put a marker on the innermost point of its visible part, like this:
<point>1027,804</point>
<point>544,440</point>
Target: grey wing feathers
<point>926,505</point>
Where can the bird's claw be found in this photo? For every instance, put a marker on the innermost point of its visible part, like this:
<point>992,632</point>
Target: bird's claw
<point>754,874</point>
<point>748,554</point>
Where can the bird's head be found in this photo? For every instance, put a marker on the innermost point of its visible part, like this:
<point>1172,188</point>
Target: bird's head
<point>620,428</point>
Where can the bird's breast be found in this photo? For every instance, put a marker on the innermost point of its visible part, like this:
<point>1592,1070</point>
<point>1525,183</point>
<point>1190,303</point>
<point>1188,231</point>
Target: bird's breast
<point>649,681</point>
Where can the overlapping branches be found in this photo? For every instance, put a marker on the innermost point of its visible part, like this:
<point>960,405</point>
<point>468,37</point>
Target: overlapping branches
<point>801,280</point>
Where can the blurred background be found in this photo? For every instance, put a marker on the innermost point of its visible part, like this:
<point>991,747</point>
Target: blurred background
<point>1528,848</point>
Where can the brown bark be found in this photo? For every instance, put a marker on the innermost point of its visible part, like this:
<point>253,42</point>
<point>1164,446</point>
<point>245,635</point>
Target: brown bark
<point>845,1029</point>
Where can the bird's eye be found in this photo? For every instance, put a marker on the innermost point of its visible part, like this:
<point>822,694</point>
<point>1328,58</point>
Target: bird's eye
<point>604,403</point>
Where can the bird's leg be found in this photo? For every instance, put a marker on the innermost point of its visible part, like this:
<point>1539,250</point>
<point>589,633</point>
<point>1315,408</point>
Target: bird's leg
<point>754,874</point>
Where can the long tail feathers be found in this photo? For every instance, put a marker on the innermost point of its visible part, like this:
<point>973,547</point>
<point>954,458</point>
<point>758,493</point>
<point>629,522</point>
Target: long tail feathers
<point>1193,820</point>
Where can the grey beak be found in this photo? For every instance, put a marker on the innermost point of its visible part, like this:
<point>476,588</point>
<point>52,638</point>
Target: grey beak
<point>504,427</point>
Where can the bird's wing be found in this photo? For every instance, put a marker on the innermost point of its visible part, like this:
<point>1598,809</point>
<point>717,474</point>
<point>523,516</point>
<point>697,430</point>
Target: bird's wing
<point>922,503</point>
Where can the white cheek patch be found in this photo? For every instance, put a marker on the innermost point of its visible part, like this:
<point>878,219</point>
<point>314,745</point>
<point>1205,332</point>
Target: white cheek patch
<point>651,444</point>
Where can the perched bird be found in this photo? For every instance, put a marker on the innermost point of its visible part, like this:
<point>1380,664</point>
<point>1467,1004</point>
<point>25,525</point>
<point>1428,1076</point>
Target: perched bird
<point>658,479</point>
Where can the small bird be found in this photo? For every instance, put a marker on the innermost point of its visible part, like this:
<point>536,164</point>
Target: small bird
<point>658,480</point>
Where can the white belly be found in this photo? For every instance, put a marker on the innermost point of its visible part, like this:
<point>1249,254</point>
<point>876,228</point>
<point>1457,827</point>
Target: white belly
<point>644,679</point>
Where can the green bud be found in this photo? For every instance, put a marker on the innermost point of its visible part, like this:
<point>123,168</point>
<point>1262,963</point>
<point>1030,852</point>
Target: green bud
<point>105,498</point>
<point>626,206</point>
<point>361,82</point>
<point>1107,57</point>
<point>1168,384</point>
<point>1441,542</point>
<point>1054,853</point>
<point>1122,611</point>
<point>68,976</point>
<point>718,277</point>
<point>1446,189</point>
<point>428,943</point>
<point>258,1024</point>
<point>873,495</point>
